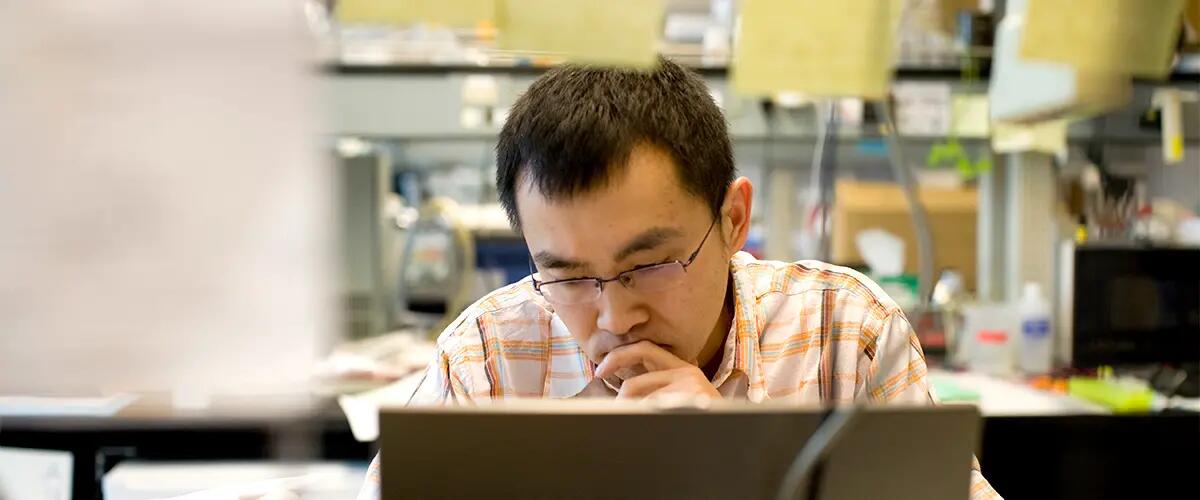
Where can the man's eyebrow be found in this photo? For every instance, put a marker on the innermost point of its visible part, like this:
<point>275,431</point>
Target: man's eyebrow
<point>547,260</point>
<point>648,240</point>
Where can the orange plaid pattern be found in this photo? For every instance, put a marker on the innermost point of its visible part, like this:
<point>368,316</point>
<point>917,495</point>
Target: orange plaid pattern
<point>806,332</point>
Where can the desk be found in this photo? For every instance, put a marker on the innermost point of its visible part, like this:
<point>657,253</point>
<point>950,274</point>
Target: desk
<point>1034,445</point>
<point>1004,398</point>
<point>151,430</point>
<point>1038,444</point>
<point>1092,456</point>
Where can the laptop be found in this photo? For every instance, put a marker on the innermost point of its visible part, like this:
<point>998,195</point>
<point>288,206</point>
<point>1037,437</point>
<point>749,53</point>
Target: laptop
<point>601,449</point>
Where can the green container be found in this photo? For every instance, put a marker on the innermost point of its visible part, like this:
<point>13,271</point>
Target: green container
<point>1117,396</point>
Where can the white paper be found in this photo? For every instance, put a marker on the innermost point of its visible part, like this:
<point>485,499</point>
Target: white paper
<point>882,251</point>
<point>35,474</point>
<point>133,480</point>
<point>362,410</point>
<point>38,406</point>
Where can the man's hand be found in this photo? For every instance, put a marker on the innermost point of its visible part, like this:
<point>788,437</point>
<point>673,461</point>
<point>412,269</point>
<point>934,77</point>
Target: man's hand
<point>665,373</point>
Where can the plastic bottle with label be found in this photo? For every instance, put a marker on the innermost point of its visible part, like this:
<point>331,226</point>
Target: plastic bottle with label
<point>1035,345</point>
<point>990,338</point>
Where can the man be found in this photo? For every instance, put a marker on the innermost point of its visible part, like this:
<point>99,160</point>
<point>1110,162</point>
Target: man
<point>623,186</point>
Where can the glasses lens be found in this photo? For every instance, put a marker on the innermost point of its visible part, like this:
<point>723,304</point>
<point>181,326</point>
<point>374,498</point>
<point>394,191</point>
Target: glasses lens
<point>654,278</point>
<point>571,292</point>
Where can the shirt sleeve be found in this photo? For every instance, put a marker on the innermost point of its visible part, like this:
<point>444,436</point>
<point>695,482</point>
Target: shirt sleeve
<point>370,487</point>
<point>897,373</point>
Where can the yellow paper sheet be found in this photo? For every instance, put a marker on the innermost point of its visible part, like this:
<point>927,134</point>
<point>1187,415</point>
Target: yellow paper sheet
<point>1045,137</point>
<point>969,115</point>
<point>1135,37</point>
<point>610,32</point>
<point>817,47</point>
<point>467,13</point>
<point>1191,15</point>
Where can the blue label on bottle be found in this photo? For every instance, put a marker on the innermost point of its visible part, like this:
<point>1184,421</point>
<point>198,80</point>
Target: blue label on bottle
<point>1036,328</point>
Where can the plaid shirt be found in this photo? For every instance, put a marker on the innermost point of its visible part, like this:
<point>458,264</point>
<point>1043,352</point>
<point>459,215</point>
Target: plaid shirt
<point>804,332</point>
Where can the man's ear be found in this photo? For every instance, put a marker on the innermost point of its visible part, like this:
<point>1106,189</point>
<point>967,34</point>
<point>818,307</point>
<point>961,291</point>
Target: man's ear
<point>735,215</point>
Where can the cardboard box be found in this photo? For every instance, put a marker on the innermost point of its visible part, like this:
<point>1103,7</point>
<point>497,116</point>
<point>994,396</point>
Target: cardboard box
<point>952,217</point>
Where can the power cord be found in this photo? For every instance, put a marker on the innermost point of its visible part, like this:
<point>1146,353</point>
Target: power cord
<point>803,478</point>
<point>908,183</point>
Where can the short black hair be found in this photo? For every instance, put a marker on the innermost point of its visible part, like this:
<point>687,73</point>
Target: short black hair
<point>576,125</point>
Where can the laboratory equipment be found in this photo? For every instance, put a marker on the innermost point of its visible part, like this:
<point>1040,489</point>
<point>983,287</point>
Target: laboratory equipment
<point>373,224</point>
<point>455,254</point>
<point>989,336</point>
<point>949,297</point>
<point>439,260</point>
<point>1128,304</point>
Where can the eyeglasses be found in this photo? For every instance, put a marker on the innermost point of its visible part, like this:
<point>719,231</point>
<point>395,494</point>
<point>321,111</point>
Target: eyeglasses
<point>645,279</point>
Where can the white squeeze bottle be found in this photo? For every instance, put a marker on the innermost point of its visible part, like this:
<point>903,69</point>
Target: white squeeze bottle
<point>1035,346</point>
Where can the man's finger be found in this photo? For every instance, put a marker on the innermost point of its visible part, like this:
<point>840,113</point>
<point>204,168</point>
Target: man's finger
<point>645,353</point>
<point>645,384</point>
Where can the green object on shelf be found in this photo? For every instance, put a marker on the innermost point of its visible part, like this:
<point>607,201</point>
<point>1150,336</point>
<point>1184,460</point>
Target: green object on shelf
<point>908,281</point>
<point>1120,397</point>
<point>952,152</point>
<point>902,289</point>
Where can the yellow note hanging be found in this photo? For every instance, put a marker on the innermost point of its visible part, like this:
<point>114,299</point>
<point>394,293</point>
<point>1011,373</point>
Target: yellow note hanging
<point>969,115</point>
<point>1045,137</point>
<point>609,32</point>
<point>1191,15</point>
<point>818,47</point>
<point>1133,37</point>
<point>468,13</point>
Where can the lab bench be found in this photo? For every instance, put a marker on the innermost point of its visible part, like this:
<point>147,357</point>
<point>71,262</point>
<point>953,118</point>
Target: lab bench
<point>1034,444</point>
<point>1041,444</point>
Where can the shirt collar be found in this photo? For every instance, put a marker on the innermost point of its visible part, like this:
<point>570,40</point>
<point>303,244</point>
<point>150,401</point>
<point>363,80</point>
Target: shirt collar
<point>741,355</point>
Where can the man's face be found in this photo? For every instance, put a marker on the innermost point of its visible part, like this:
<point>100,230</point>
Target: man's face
<point>642,216</point>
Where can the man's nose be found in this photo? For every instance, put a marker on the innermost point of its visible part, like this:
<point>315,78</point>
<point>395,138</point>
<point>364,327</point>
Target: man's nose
<point>620,310</point>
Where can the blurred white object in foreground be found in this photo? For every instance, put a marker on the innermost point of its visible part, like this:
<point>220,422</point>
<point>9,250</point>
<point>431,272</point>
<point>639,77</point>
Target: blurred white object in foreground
<point>41,474</point>
<point>133,480</point>
<point>164,214</point>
